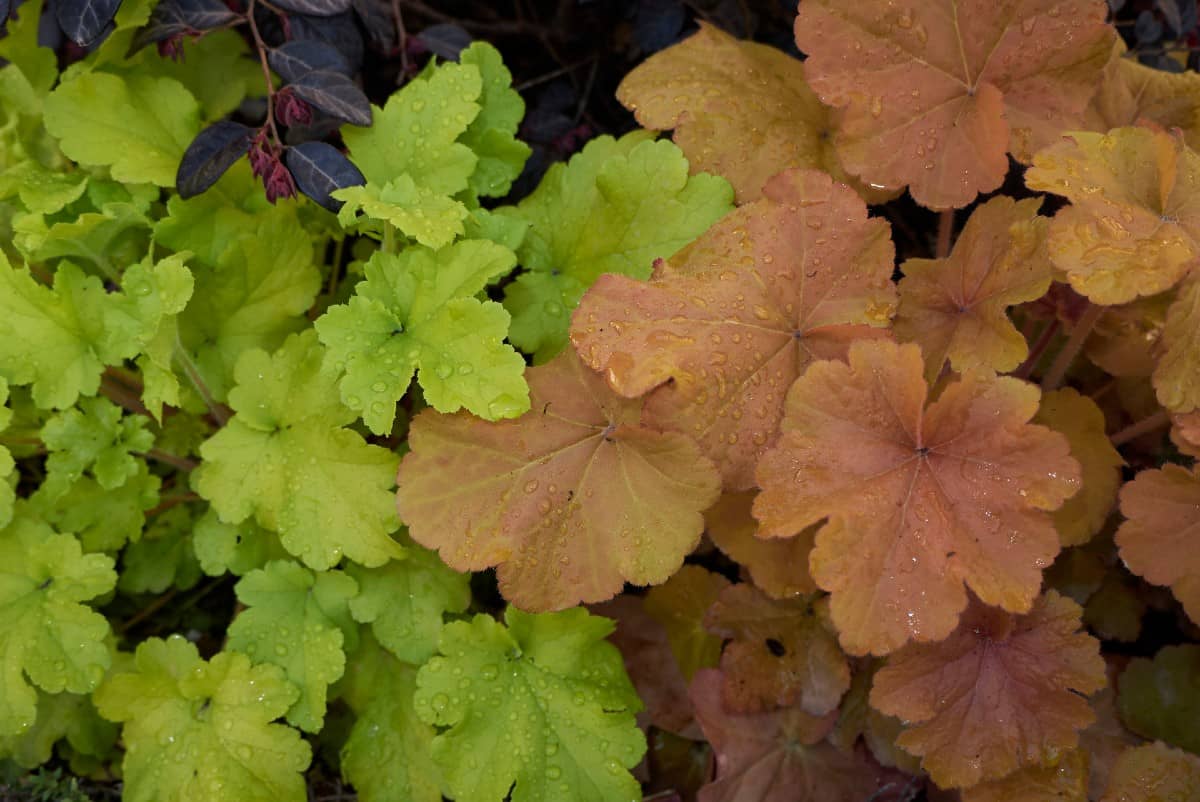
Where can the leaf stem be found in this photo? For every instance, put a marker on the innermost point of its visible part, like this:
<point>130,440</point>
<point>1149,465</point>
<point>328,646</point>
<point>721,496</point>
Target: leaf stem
<point>121,395</point>
<point>261,47</point>
<point>1146,425</point>
<point>182,463</point>
<point>945,231</point>
<point>1079,334</point>
<point>1037,349</point>
<point>218,411</point>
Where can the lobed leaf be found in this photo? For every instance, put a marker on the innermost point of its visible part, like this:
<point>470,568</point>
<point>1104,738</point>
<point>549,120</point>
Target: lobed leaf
<point>680,605</point>
<point>920,499</point>
<point>1159,699</point>
<point>1153,772</point>
<point>569,501</point>
<point>778,567</point>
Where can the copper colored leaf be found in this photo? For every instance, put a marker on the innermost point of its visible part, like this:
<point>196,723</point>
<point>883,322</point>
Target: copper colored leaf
<point>1154,773</point>
<point>1064,780</point>
<point>1185,433</point>
<point>679,606</point>
<point>1079,420</point>
<point>1130,92</point>
<point>1177,374</point>
<point>782,756</point>
<point>736,316</point>
<point>1001,693</point>
<point>781,653</point>
<point>740,109</point>
<point>1124,341</point>
<point>935,93</point>
<point>920,499</point>
<point>1158,539</point>
<point>778,566</point>
<point>1131,229</point>
<point>569,501</point>
<point>957,308</point>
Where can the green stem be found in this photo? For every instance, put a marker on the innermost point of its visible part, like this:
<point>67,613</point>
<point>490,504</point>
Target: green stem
<point>218,411</point>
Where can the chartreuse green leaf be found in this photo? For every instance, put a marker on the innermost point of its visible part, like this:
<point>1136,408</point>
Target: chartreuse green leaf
<point>95,435</point>
<point>411,159</point>
<point>404,601</point>
<point>48,637</point>
<point>40,189</point>
<point>542,708</point>
<point>162,557</point>
<point>7,465</point>
<point>1160,698</point>
<point>261,284</point>
<point>387,756</point>
<point>295,620</point>
<point>416,312</point>
<point>613,208</point>
<point>285,459</point>
<point>234,548</point>
<point>230,211</point>
<point>37,66</point>
<point>137,126</point>
<point>199,731</point>
<point>60,715</point>
<point>103,520</point>
<point>215,70</point>
<point>492,135</point>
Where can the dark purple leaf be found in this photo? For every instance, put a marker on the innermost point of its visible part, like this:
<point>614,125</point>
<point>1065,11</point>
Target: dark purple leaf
<point>377,21</point>
<point>212,152</point>
<point>5,10</point>
<point>339,32</point>
<point>316,8</point>
<point>320,169</point>
<point>294,59</point>
<point>84,21</point>
<point>1147,28</point>
<point>334,93</point>
<point>179,17</point>
<point>445,40</point>
<point>657,24</point>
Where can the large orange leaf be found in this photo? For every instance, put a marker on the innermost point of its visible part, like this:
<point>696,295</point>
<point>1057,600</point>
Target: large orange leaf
<point>1134,221</point>
<point>1158,541</point>
<point>919,499</point>
<point>957,308</point>
<point>781,653</point>
<point>740,109</point>
<point>1154,773</point>
<point>735,317</point>
<point>569,501</point>
<point>778,566</point>
<point>1064,780</point>
<point>1130,92</point>
<point>782,756</point>
<point>936,92</point>
<point>1001,693</point>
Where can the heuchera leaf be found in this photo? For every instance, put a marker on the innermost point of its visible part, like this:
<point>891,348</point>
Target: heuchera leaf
<point>781,756</point>
<point>1063,780</point>
<point>1160,698</point>
<point>1002,692</point>
<point>49,638</point>
<point>613,208</point>
<point>212,152</point>
<point>387,754</point>
<point>740,109</point>
<point>491,136</point>
<point>1133,226</point>
<point>84,20</point>
<point>1151,773</point>
<point>103,520</point>
<point>93,435</point>
<point>197,731</point>
<point>936,93</point>
<point>1177,376</point>
<point>404,601</point>
<point>920,499</point>
<point>7,464</point>
<point>237,549</point>
<point>781,653</point>
<point>679,605</point>
<point>320,169</point>
<point>296,58</point>
<point>570,501</point>
<point>286,459</point>
<point>138,126</point>
<point>778,566</point>
<point>1157,541</point>
<point>61,716</point>
<point>417,313</point>
<point>956,308</point>
<point>728,323</point>
<point>295,620</point>
<point>335,94</point>
<point>564,697</point>
<point>1130,92</point>
<point>1079,420</point>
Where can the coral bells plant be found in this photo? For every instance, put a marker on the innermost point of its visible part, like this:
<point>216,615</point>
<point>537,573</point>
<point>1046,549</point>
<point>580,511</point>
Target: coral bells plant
<point>839,446</point>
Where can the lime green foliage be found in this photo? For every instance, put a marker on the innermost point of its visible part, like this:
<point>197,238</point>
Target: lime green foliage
<point>162,557</point>
<point>216,70</point>
<point>234,548</point>
<point>1160,698</point>
<point>404,601</point>
<point>285,459</point>
<point>104,230</point>
<point>104,520</point>
<point>614,208</point>
<point>199,731</point>
<point>7,465</point>
<point>94,435</point>
<point>492,135</point>
<point>387,756</point>
<point>40,189</point>
<point>138,126</point>
<point>61,715</point>
<point>562,694</point>
<point>417,312</point>
<point>300,623</point>
<point>46,633</point>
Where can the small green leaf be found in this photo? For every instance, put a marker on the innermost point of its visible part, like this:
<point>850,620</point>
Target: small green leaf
<point>103,520</point>
<point>492,135</point>
<point>234,548</point>
<point>1160,698</point>
<point>93,435</point>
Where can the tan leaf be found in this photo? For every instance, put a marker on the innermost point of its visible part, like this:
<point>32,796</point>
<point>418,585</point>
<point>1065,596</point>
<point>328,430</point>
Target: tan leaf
<point>778,566</point>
